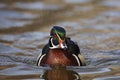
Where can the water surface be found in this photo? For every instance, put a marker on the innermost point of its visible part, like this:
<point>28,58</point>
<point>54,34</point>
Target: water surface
<point>93,24</point>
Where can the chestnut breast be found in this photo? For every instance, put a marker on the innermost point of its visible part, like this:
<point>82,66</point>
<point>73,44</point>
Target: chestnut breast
<point>57,56</point>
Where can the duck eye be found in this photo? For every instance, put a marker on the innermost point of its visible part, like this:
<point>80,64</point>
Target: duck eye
<point>55,36</point>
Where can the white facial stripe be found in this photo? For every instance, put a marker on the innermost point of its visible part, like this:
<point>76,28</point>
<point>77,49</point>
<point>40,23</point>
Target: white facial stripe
<point>53,46</point>
<point>52,42</point>
<point>58,36</point>
<point>57,46</point>
<point>62,46</point>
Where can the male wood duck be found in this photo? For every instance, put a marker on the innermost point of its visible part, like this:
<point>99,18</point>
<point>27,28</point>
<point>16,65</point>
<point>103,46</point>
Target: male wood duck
<point>60,50</point>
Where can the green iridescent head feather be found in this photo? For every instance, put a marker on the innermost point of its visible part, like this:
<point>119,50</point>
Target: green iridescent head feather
<point>58,31</point>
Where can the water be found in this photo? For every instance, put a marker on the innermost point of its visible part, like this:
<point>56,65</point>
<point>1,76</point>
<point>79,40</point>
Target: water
<point>93,24</point>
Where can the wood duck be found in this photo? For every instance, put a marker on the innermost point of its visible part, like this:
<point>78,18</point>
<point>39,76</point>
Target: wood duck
<point>60,50</point>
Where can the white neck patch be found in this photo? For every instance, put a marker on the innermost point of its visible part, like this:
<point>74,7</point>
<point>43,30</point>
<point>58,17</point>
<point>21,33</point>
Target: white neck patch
<point>54,46</point>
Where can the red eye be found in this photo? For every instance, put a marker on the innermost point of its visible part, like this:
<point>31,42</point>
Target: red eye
<point>55,36</point>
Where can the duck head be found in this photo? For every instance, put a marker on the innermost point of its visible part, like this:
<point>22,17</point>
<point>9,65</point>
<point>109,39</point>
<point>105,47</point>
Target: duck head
<point>57,38</point>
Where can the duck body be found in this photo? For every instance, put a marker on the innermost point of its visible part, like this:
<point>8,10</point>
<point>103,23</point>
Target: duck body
<point>60,50</point>
<point>58,56</point>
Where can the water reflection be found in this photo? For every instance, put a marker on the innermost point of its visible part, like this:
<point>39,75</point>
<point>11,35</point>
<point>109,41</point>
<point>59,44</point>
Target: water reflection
<point>60,73</point>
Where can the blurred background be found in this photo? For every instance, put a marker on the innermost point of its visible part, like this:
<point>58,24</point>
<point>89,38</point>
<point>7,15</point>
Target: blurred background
<point>25,26</point>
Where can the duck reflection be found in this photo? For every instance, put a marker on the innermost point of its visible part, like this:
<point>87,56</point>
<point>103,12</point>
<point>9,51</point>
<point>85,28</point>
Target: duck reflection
<point>60,73</point>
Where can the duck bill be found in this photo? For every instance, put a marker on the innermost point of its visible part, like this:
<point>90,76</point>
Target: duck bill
<point>62,44</point>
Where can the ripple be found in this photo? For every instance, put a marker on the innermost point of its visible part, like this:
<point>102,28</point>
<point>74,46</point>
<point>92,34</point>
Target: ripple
<point>6,49</point>
<point>30,39</point>
<point>4,58</point>
<point>111,3</point>
<point>108,78</point>
<point>111,13</point>
<point>24,36</point>
<point>112,52</point>
<point>107,27</point>
<point>106,61</point>
<point>89,70</point>
<point>76,1</point>
<point>33,35</point>
<point>9,38</point>
<point>9,14</point>
<point>85,8</point>
<point>11,18</point>
<point>73,24</point>
<point>37,6</point>
<point>6,23</point>
<point>21,70</point>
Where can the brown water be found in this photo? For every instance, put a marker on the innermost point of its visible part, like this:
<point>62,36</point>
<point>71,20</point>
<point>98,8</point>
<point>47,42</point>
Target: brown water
<point>93,24</point>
